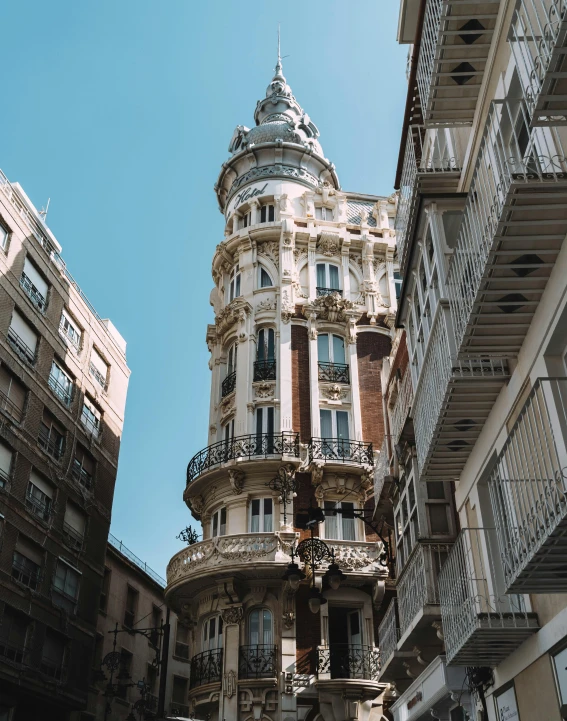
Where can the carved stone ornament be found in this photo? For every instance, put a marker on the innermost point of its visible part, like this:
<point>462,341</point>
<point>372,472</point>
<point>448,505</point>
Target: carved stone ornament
<point>235,312</point>
<point>229,685</point>
<point>264,389</point>
<point>196,504</point>
<point>316,473</point>
<point>270,249</point>
<point>332,307</point>
<point>268,304</point>
<point>334,392</point>
<point>236,479</point>
<point>232,615</point>
<point>329,244</point>
<point>227,405</point>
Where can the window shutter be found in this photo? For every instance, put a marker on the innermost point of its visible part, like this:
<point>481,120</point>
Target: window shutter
<point>6,455</point>
<point>75,518</point>
<point>33,274</point>
<point>29,550</point>
<point>41,483</point>
<point>24,330</point>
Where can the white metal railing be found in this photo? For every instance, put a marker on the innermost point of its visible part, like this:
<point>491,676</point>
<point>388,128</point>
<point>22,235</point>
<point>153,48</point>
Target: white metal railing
<point>381,470</point>
<point>510,153</point>
<point>401,407</point>
<point>418,581</point>
<point>528,487</point>
<point>538,31</point>
<point>389,632</point>
<point>471,591</point>
<point>429,153</point>
<point>428,51</point>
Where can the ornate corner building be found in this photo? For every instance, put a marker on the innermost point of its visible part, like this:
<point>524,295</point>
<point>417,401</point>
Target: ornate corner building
<point>305,299</point>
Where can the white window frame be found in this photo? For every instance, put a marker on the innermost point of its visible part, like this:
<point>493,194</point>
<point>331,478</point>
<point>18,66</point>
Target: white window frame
<point>323,212</point>
<point>70,331</point>
<point>266,210</point>
<point>328,275</point>
<point>335,527</point>
<point>4,237</point>
<point>331,347</point>
<point>215,642</point>
<point>218,528</point>
<point>261,270</point>
<point>91,417</point>
<point>234,285</point>
<point>262,515</point>
<point>63,390</point>
<point>100,374</point>
<point>261,612</point>
<point>246,219</point>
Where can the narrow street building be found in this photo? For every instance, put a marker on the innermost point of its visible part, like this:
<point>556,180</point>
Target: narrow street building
<point>305,300</point>
<point>63,382</point>
<point>477,388</point>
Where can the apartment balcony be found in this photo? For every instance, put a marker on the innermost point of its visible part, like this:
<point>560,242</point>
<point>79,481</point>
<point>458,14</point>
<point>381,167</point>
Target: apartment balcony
<point>265,370</point>
<point>228,384</point>
<point>528,489</point>
<point>241,449</point>
<point>513,226</point>
<point>433,161</point>
<point>333,372</point>
<point>381,471</point>
<point>455,44</point>
<point>401,410</point>
<point>32,292</point>
<point>321,291</point>
<point>258,661</point>
<point>452,401</point>
<point>14,653</point>
<point>482,626</point>
<point>341,451</point>
<point>348,661</point>
<point>394,662</point>
<point>418,594</point>
<point>538,38</point>
<point>206,667</point>
<point>20,347</point>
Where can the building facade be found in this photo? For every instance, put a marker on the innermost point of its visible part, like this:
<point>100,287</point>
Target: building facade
<point>304,299</point>
<point>476,388</point>
<point>132,603</point>
<point>63,382</point>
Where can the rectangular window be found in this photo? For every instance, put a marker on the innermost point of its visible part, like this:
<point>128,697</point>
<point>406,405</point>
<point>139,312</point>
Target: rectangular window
<point>13,635</point>
<point>4,237</point>
<point>53,654</point>
<point>98,368</point>
<point>264,431</point>
<point>105,590</point>
<point>12,395</point>
<point>61,383</point>
<point>182,642</point>
<point>22,338</point>
<point>125,670</point>
<point>51,437</point>
<point>74,526</point>
<point>340,521</point>
<point>6,458</point>
<point>90,417</point>
<point>65,589</point>
<point>324,213</point>
<point>131,606</point>
<point>245,220</point>
<point>39,496</point>
<point>261,515</point>
<point>156,625</point>
<point>69,330</point>
<point>267,214</point>
<point>82,469</point>
<point>218,523</point>
<point>179,693</point>
<point>27,562</point>
<point>33,285</point>
<point>234,287</point>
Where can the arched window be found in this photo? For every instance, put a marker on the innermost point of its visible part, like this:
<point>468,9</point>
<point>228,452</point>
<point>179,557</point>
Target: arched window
<point>327,279</point>
<point>229,382</point>
<point>265,280</point>
<point>260,627</point>
<point>212,633</point>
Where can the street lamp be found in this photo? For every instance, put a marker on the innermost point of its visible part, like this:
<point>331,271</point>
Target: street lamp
<point>284,484</point>
<point>293,575</point>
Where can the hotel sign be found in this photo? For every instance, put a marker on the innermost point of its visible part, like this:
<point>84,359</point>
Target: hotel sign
<point>248,194</point>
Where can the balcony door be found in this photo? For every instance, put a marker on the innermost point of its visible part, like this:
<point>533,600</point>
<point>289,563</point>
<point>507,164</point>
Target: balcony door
<point>345,642</point>
<point>327,279</point>
<point>212,634</point>
<point>334,433</point>
<point>260,628</point>
<point>331,349</point>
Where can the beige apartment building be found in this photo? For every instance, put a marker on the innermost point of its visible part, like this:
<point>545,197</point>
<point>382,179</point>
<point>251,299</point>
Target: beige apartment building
<point>132,604</point>
<point>63,383</point>
<point>476,386</point>
<point>283,594</point>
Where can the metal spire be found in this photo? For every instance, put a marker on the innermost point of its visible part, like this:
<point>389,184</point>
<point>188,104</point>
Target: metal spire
<point>279,71</point>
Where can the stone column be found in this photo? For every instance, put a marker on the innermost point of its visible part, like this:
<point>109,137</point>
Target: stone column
<point>354,389</point>
<point>228,706</point>
<point>314,376</point>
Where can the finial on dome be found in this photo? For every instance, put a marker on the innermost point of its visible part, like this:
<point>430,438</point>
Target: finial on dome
<point>279,73</point>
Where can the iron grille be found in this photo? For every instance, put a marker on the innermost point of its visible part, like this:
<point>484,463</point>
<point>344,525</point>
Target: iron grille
<point>53,446</point>
<point>26,572</point>
<point>206,667</point>
<point>334,372</point>
<point>10,407</point>
<point>32,292</point>
<point>265,370</point>
<point>343,450</point>
<point>12,652</point>
<point>257,445</point>
<point>20,347</point>
<point>327,291</point>
<point>65,395</point>
<point>97,375</point>
<point>345,660</point>
<point>258,661</point>
<point>228,384</point>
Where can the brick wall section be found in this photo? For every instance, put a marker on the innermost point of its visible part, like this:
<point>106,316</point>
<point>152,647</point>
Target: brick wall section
<point>301,411</point>
<point>308,633</point>
<point>371,348</point>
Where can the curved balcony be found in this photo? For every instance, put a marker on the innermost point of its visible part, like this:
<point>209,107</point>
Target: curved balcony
<point>256,445</point>
<point>345,660</point>
<point>265,370</point>
<point>341,450</point>
<point>206,667</point>
<point>333,372</point>
<point>259,661</point>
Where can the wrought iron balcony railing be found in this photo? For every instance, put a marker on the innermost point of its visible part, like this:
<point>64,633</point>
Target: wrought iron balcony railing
<point>321,291</point>
<point>13,653</point>
<point>180,710</point>
<point>345,660</point>
<point>265,370</point>
<point>91,423</point>
<point>342,450</point>
<point>334,372</point>
<point>32,292</point>
<point>255,445</point>
<point>52,668</point>
<point>400,411</point>
<point>21,347</point>
<point>10,407</point>
<point>537,38</point>
<point>206,667</point>
<point>418,581</point>
<point>64,393</point>
<point>260,661</point>
<point>53,444</point>
<point>27,573</point>
<point>528,490</point>
<point>389,632</point>
<point>38,508</point>
<point>228,384</point>
<point>433,160</point>
<point>74,538</point>
<point>97,375</point>
<point>455,44</point>
<point>502,261</point>
<point>481,624</point>
<point>79,474</point>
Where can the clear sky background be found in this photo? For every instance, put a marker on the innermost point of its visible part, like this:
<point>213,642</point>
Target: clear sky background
<point>121,112</point>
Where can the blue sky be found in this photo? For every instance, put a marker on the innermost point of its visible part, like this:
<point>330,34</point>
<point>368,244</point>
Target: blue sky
<point>121,112</point>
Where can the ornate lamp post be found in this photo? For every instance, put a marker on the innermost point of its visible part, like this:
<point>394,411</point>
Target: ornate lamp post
<point>284,484</point>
